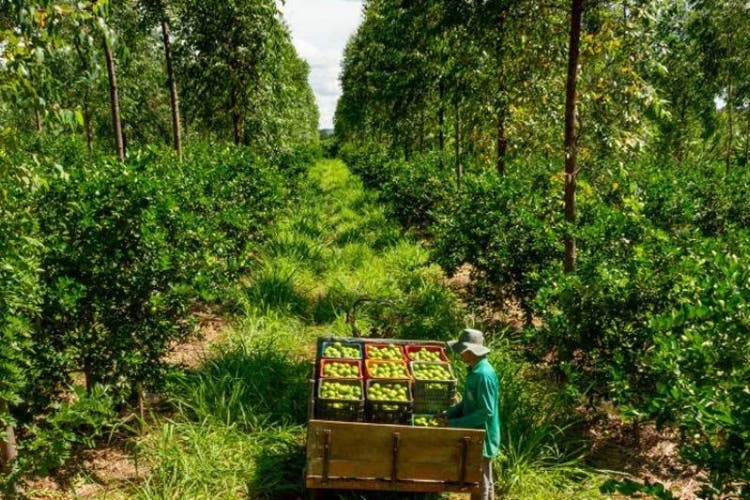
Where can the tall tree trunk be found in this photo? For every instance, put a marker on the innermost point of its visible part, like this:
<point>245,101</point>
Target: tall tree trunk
<point>571,139</point>
<point>459,165</point>
<point>236,118</point>
<point>730,118</point>
<point>8,450</point>
<point>747,137</point>
<point>421,130</point>
<point>502,143</point>
<point>114,101</point>
<point>174,100</point>
<point>441,122</point>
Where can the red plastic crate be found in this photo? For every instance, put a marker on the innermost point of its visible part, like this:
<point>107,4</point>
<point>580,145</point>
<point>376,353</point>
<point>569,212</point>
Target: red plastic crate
<point>411,349</point>
<point>326,362</point>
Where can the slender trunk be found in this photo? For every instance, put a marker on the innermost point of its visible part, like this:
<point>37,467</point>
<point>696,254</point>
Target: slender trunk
<point>571,140</point>
<point>747,137</point>
<point>730,142</point>
<point>459,165</point>
<point>421,131</point>
<point>115,101</point>
<point>502,143</point>
<point>441,122</point>
<point>8,450</point>
<point>87,121</point>
<point>236,116</point>
<point>38,120</point>
<point>173,97</point>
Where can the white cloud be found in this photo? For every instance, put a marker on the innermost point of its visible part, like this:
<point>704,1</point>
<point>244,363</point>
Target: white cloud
<point>320,30</point>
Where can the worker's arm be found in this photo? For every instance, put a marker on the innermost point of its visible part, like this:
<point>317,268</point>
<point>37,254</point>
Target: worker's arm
<point>456,410</point>
<point>486,392</point>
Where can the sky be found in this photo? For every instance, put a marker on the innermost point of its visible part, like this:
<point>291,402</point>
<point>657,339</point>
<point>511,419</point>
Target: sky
<point>320,30</point>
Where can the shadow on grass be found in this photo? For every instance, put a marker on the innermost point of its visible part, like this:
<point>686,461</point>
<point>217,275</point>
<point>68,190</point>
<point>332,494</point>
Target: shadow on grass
<point>279,469</point>
<point>251,386</point>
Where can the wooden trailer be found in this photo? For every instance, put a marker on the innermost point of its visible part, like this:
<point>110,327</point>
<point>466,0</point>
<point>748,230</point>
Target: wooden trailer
<point>390,457</point>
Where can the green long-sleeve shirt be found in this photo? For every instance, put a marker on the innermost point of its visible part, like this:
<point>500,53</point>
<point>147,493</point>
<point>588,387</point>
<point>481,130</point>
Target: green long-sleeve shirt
<point>479,406</point>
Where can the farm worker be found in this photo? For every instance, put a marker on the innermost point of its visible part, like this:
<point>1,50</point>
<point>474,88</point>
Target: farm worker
<point>478,407</point>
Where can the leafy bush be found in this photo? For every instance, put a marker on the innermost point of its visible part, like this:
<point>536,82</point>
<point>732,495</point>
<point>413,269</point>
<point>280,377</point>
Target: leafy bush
<point>700,360</point>
<point>80,422</point>
<point>416,189</point>
<point>20,290</point>
<point>505,230</point>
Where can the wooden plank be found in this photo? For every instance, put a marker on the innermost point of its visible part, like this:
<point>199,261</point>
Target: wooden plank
<point>386,485</point>
<point>360,450</point>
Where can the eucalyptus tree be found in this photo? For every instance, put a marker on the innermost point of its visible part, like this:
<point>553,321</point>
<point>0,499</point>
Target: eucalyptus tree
<point>157,10</point>
<point>222,47</point>
<point>722,31</point>
<point>285,118</point>
<point>678,76</point>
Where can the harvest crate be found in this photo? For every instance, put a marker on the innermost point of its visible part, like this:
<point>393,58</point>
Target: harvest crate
<point>326,362</point>
<point>370,347</point>
<point>370,363</point>
<point>411,349</point>
<point>431,396</point>
<point>325,343</point>
<point>340,409</point>
<point>387,411</point>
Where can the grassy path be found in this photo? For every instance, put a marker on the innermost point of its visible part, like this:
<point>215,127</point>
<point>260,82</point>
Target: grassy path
<point>240,425</point>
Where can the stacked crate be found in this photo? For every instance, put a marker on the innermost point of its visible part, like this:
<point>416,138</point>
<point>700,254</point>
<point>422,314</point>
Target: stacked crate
<point>434,383</point>
<point>390,382</point>
<point>340,389</point>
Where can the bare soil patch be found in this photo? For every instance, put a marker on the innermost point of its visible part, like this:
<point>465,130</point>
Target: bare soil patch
<point>104,472</point>
<point>643,454</point>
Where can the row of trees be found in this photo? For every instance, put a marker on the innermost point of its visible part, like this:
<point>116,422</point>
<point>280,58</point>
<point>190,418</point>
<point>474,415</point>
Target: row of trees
<point>613,133</point>
<point>129,74</point>
<point>107,240</point>
<point>487,79</point>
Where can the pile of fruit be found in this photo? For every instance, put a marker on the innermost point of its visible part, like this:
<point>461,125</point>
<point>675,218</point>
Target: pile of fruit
<point>425,421</point>
<point>388,391</point>
<point>431,371</point>
<point>387,369</point>
<point>340,350</point>
<point>424,354</point>
<point>390,351</point>
<point>339,390</point>
<point>341,370</point>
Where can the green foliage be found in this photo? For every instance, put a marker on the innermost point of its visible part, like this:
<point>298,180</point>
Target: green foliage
<point>700,359</point>
<point>131,245</point>
<point>416,190</point>
<point>631,488</point>
<point>84,419</point>
<point>20,290</point>
<point>505,229</point>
